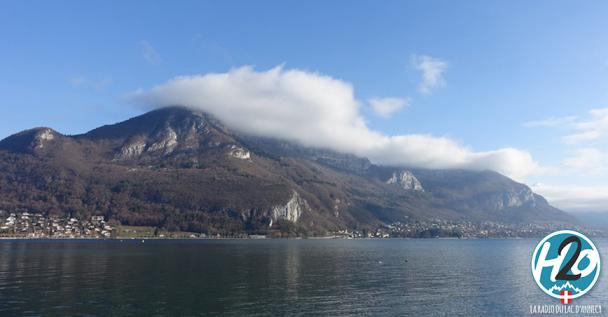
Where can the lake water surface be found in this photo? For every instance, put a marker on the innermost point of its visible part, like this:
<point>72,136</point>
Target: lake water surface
<point>273,278</point>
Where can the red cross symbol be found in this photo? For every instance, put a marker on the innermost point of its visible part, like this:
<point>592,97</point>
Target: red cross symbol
<point>566,297</point>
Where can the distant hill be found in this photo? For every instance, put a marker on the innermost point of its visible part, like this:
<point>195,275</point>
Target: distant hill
<point>183,170</point>
<point>593,219</point>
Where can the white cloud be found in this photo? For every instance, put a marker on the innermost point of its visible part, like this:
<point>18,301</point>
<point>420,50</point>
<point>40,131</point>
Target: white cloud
<point>581,137</point>
<point>149,53</point>
<point>317,110</point>
<point>432,70</point>
<point>591,129</point>
<point>575,198</point>
<point>584,132</point>
<point>590,161</point>
<point>551,122</point>
<point>385,107</point>
<point>587,162</point>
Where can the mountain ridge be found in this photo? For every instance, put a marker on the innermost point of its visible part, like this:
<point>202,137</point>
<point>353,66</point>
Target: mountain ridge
<point>182,169</point>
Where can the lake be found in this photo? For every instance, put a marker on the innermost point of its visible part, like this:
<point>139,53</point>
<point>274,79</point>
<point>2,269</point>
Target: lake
<point>390,277</point>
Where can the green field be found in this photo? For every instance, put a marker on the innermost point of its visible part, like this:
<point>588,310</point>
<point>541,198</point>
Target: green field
<point>150,232</point>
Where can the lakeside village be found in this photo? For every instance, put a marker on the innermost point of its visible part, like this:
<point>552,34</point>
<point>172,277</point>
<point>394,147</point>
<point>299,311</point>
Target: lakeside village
<point>33,225</point>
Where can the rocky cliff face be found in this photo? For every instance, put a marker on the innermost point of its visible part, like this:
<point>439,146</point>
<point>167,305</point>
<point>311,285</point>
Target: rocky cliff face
<point>165,142</point>
<point>131,149</point>
<point>406,180</point>
<point>43,136</point>
<point>516,197</point>
<point>238,152</point>
<point>292,210</point>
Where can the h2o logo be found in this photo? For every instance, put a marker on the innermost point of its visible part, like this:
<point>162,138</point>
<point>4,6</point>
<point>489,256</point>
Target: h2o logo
<point>566,265</point>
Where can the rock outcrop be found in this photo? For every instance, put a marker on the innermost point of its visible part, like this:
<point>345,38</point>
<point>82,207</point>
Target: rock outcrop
<point>292,210</point>
<point>518,197</point>
<point>406,180</point>
<point>43,136</point>
<point>165,142</point>
<point>131,150</point>
<point>239,152</point>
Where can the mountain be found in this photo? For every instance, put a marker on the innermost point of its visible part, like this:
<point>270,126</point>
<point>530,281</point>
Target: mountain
<point>183,170</point>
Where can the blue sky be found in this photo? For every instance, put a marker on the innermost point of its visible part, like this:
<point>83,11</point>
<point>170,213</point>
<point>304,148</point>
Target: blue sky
<point>70,65</point>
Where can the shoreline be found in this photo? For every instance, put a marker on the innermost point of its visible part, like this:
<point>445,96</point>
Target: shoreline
<point>251,239</point>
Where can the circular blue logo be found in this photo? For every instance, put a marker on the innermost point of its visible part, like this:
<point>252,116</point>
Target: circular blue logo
<point>565,265</point>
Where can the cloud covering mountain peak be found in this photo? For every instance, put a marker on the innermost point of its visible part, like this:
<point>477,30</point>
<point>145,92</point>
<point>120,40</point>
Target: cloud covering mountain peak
<point>317,110</point>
